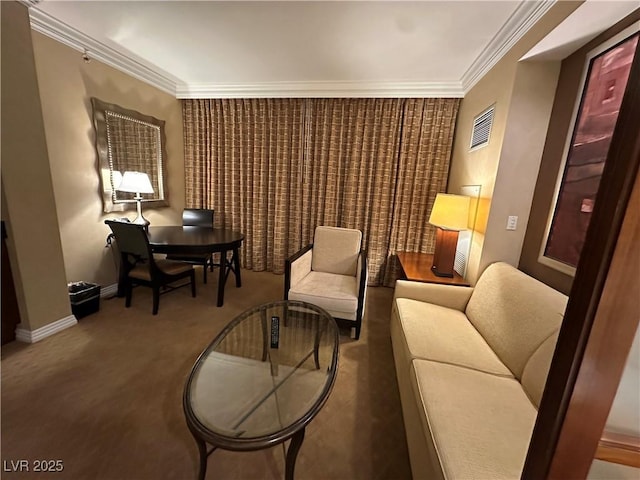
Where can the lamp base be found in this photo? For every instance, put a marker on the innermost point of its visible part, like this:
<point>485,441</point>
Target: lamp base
<point>435,271</point>
<point>140,220</point>
<point>445,253</point>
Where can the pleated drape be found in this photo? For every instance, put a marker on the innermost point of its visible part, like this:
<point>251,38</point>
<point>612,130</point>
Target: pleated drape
<point>277,168</point>
<point>243,158</point>
<point>352,158</point>
<point>423,170</point>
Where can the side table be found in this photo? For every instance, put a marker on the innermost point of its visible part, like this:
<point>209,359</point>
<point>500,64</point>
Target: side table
<point>417,268</point>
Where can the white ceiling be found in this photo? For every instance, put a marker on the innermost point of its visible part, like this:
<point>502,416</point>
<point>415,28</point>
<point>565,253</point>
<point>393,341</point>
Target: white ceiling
<point>306,48</point>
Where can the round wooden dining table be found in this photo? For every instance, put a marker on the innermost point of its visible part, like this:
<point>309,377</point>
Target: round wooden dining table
<point>195,240</point>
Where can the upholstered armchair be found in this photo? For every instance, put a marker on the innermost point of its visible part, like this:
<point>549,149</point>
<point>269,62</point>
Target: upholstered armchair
<point>331,273</point>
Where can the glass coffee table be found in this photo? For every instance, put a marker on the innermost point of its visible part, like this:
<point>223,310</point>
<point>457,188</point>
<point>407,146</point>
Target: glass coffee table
<point>262,380</point>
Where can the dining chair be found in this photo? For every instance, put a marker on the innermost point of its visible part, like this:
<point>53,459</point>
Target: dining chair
<point>331,273</point>
<point>196,217</point>
<point>141,268</point>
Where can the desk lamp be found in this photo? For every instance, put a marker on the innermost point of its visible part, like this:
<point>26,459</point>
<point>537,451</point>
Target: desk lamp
<point>450,214</point>
<point>138,183</point>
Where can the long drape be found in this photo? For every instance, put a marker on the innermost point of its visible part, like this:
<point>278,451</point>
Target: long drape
<point>243,158</point>
<point>277,168</point>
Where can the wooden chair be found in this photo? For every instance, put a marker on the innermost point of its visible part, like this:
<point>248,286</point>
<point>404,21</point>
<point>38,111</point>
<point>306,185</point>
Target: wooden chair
<point>196,217</point>
<point>141,268</point>
<point>331,273</point>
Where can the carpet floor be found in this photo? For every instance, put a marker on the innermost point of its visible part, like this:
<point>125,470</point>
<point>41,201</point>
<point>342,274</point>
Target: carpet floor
<point>105,396</point>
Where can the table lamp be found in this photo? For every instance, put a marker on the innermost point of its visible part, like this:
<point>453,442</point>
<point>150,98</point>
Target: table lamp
<point>450,214</point>
<point>138,183</point>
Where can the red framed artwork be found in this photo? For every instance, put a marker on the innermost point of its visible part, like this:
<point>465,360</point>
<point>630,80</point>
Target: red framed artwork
<point>603,85</point>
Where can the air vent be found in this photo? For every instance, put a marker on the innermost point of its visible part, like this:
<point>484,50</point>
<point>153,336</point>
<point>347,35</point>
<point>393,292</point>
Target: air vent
<point>482,128</point>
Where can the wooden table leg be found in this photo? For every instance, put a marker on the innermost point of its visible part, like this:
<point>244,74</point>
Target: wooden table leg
<point>222,277</point>
<point>292,454</point>
<point>236,267</point>
<point>202,450</point>
<point>122,279</point>
<point>316,346</point>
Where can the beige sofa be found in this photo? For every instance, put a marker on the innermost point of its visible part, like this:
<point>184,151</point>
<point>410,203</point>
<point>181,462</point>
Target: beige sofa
<point>471,365</point>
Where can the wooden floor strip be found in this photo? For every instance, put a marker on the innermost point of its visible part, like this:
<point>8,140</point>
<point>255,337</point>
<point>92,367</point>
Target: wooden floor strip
<point>618,448</point>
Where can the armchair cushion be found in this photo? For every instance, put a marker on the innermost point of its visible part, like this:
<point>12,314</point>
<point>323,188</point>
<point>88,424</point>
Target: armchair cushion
<point>480,423</point>
<point>337,294</point>
<point>443,295</point>
<point>503,294</point>
<point>335,250</point>
<point>142,272</point>
<point>432,332</point>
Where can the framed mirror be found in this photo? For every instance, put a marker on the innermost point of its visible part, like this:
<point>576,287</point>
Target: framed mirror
<point>127,140</point>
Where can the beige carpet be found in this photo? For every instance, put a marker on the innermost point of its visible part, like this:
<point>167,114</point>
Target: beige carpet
<point>105,396</point>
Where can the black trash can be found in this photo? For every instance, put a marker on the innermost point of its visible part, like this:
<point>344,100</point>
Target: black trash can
<point>84,297</point>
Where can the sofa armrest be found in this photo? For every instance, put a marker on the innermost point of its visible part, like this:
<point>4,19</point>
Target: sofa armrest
<point>450,296</point>
<point>297,267</point>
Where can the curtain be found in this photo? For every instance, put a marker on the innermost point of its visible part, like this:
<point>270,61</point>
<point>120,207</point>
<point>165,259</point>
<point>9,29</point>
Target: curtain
<point>243,158</point>
<point>423,170</point>
<point>277,168</point>
<point>352,158</point>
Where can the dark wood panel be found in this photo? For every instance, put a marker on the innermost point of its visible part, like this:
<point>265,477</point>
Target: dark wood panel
<point>614,328</point>
<point>617,448</point>
<point>600,320</point>
<point>10,312</point>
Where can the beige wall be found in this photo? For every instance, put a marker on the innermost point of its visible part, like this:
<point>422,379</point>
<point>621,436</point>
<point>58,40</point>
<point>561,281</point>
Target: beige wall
<point>527,121</point>
<point>500,86</point>
<point>27,190</point>
<point>50,183</point>
<point>67,84</point>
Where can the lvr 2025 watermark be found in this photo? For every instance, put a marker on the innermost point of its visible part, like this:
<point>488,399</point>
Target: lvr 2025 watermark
<point>23,465</point>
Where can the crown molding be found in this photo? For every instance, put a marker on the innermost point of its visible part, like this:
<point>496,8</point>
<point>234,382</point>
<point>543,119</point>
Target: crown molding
<point>29,3</point>
<point>317,89</point>
<point>521,20</point>
<point>47,25</point>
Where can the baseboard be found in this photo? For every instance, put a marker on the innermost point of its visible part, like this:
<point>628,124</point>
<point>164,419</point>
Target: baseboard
<point>33,336</point>
<point>109,291</point>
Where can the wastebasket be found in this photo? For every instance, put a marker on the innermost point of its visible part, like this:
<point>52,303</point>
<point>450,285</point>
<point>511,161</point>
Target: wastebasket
<point>84,297</point>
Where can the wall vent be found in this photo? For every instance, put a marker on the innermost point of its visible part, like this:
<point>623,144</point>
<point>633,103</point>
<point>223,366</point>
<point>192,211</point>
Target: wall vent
<point>482,128</point>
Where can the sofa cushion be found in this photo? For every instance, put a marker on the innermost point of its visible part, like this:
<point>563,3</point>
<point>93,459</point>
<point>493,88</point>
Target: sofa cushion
<point>335,250</point>
<point>514,313</point>
<point>337,294</point>
<point>445,335</point>
<point>480,424</point>
<point>534,375</point>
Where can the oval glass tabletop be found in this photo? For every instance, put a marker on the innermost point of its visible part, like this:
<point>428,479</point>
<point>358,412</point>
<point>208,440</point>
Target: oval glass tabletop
<point>265,376</point>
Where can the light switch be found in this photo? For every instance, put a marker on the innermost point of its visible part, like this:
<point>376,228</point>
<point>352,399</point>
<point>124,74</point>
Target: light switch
<point>512,222</point>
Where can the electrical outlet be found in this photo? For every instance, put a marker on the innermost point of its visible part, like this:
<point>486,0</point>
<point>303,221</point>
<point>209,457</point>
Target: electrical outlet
<point>512,222</point>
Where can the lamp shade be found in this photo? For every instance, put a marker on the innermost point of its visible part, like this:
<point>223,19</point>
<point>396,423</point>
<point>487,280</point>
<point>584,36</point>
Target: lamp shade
<point>116,177</point>
<point>450,212</point>
<point>136,182</point>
